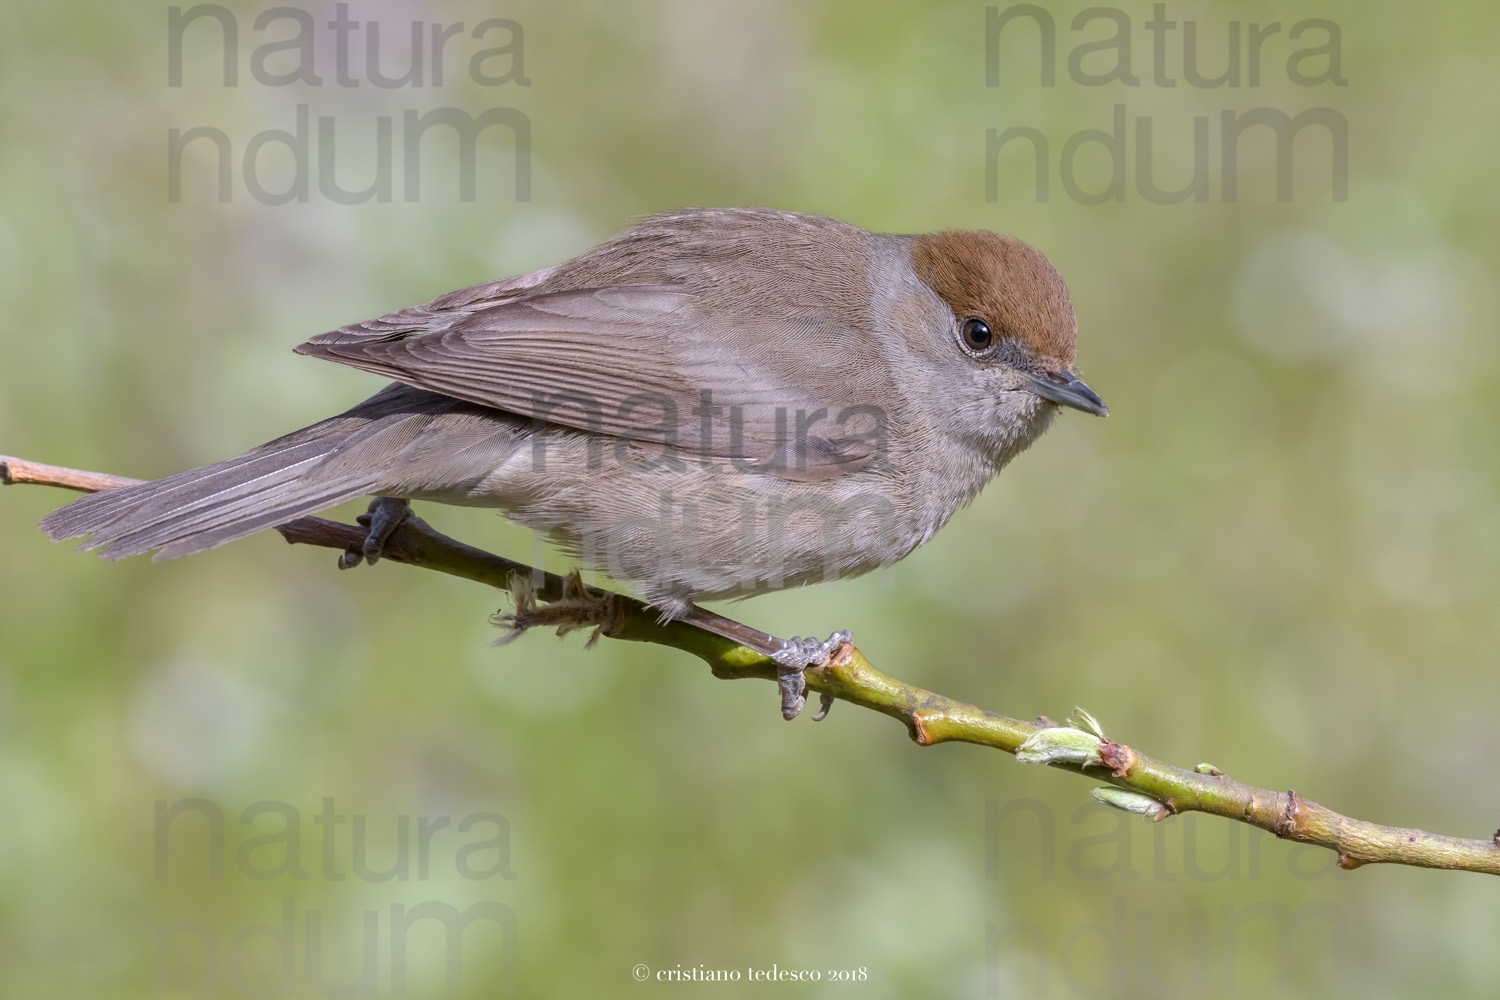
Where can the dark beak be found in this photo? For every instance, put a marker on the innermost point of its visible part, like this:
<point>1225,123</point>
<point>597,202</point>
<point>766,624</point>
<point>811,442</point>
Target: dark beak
<point>1068,389</point>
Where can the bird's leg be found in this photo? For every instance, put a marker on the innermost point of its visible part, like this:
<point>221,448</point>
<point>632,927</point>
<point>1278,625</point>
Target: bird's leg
<point>382,519</point>
<point>793,659</point>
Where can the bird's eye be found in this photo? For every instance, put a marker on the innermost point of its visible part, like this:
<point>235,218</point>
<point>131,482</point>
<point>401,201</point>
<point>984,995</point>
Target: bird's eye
<point>977,336</point>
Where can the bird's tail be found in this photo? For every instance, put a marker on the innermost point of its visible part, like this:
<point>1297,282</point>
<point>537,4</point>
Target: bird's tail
<point>367,450</point>
<point>202,508</point>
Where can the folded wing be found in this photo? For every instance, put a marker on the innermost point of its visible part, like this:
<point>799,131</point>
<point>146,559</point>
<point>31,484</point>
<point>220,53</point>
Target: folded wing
<point>645,362</point>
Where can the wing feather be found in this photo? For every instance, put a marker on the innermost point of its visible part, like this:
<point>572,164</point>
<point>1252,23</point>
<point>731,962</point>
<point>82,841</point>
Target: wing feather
<point>631,361</point>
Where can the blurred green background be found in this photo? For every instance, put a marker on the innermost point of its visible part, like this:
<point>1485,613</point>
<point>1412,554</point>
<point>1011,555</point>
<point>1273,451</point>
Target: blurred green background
<point>1278,554</point>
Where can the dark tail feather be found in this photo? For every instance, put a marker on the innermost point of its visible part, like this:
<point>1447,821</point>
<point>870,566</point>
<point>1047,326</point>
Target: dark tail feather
<point>202,508</point>
<point>407,441</point>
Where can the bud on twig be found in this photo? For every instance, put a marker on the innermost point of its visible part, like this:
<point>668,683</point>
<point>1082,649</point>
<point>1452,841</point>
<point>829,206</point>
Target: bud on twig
<point>1061,745</point>
<point>1129,801</point>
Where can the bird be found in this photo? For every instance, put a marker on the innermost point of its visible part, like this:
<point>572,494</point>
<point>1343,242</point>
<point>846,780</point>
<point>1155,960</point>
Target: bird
<point>712,404</point>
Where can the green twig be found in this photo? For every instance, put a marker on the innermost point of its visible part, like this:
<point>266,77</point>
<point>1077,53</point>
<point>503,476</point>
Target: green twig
<point>1149,786</point>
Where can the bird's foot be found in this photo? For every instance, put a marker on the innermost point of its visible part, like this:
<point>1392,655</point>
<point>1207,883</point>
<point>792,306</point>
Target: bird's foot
<point>385,515</point>
<point>792,662</point>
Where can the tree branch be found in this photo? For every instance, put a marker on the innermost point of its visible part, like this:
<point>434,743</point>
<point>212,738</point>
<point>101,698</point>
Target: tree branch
<point>733,650</point>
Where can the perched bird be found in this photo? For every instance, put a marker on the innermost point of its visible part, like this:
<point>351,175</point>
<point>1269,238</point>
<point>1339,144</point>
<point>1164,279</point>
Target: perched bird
<point>713,404</point>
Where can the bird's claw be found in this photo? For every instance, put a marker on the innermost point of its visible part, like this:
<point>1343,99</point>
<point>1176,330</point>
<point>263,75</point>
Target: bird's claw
<point>792,661</point>
<point>385,515</point>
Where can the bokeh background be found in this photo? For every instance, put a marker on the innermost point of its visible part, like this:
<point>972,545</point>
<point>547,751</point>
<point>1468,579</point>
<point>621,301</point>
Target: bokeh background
<point>1279,554</point>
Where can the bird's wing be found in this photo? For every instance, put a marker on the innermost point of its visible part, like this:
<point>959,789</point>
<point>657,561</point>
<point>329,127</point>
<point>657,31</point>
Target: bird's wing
<point>644,362</point>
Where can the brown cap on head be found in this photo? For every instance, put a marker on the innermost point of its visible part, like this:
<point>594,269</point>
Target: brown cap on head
<point>1004,282</point>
